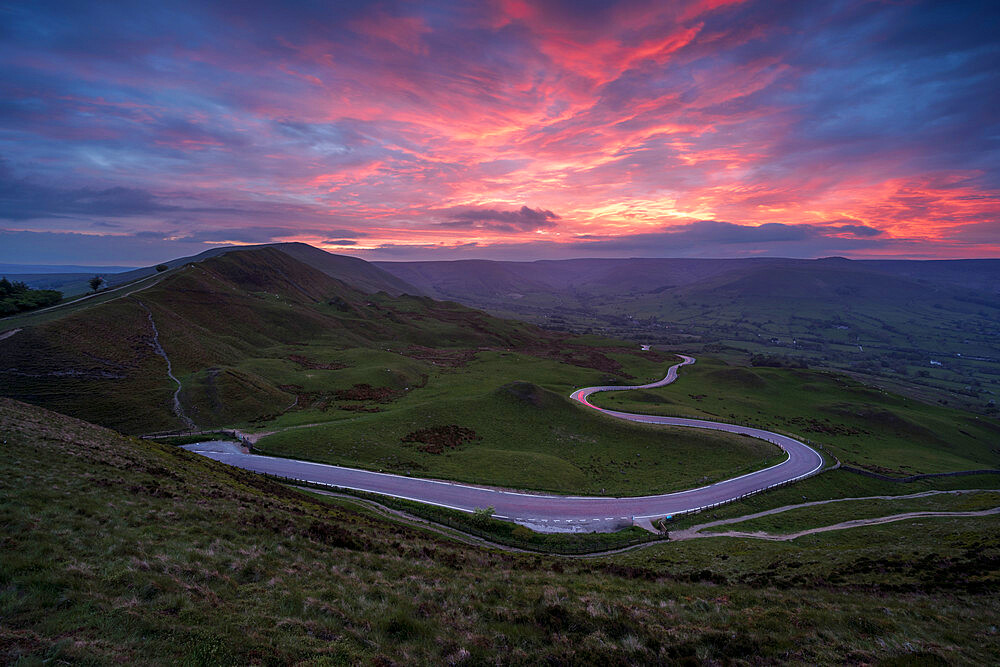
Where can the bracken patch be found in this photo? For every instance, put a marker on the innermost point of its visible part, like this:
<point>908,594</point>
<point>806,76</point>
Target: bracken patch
<point>366,392</point>
<point>438,438</point>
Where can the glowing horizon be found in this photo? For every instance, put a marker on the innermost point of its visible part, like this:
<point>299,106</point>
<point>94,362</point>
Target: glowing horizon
<point>509,129</point>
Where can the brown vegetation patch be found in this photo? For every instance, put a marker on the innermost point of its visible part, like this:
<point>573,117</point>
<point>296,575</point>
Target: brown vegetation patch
<point>740,377</point>
<point>809,425</point>
<point>882,470</point>
<point>445,358</point>
<point>315,365</point>
<point>366,392</point>
<point>353,407</point>
<point>880,418</point>
<point>437,438</point>
<point>578,355</point>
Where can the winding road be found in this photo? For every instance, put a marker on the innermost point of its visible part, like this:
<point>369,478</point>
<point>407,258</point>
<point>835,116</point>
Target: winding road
<point>551,513</point>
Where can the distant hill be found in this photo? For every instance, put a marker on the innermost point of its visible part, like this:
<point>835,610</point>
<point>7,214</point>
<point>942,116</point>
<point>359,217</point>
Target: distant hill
<point>975,274</point>
<point>466,280</point>
<point>811,281</point>
<point>34,269</point>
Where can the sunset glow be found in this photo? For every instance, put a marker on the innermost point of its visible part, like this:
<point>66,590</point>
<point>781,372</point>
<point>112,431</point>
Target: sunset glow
<point>510,129</point>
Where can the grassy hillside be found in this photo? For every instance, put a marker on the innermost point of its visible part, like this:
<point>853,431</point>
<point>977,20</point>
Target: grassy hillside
<point>860,425</point>
<point>101,363</point>
<point>120,550</point>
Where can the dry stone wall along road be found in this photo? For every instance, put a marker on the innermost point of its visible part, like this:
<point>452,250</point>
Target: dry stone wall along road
<point>552,513</point>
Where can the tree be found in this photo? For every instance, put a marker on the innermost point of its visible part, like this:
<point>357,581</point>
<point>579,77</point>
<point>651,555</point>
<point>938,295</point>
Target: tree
<point>160,268</point>
<point>95,283</point>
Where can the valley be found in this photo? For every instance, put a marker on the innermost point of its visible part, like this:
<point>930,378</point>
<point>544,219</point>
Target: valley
<point>314,369</point>
<point>927,329</point>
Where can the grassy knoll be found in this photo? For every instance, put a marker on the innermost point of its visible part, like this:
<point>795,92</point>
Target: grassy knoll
<point>860,425</point>
<point>529,435</point>
<point>831,513</point>
<point>122,550</point>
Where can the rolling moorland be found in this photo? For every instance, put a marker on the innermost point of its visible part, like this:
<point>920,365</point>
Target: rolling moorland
<point>260,340</point>
<point>924,328</point>
<point>202,563</point>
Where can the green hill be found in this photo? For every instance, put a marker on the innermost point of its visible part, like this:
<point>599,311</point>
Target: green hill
<point>101,362</point>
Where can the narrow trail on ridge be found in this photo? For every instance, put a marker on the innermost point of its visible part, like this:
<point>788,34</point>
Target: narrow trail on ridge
<point>158,349</point>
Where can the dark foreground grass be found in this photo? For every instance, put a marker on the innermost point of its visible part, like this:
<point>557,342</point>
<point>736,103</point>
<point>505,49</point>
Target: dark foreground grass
<point>122,550</point>
<point>937,556</point>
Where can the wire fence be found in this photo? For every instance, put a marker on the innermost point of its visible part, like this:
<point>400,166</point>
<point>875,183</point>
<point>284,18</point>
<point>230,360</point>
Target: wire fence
<point>469,526</point>
<point>547,544</point>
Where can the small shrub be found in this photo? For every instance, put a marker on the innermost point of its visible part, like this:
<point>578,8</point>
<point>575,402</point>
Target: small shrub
<point>482,516</point>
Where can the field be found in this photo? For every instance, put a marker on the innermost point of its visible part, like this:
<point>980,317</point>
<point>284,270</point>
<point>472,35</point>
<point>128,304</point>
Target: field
<point>859,424</point>
<point>117,549</point>
<point>120,550</point>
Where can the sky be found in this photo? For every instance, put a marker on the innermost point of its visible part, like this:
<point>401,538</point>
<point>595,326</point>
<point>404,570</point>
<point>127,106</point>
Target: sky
<point>132,133</point>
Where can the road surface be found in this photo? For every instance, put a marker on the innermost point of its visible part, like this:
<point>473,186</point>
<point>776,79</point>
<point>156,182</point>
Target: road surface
<point>552,513</point>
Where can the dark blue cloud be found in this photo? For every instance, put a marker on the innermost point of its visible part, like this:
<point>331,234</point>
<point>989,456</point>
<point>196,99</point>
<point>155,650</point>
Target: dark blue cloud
<point>519,220</point>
